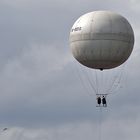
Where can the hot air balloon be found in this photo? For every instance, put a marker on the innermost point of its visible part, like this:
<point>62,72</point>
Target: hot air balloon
<point>101,40</point>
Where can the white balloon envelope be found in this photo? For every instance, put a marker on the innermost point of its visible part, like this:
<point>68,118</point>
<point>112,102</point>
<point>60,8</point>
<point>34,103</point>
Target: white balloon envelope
<point>101,40</point>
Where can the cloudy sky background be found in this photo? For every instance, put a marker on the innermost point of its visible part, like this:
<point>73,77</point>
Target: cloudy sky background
<point>41,95</point>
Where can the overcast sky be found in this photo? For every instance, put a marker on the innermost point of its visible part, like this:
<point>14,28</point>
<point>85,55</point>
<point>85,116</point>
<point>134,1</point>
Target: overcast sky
<point>41,95</point>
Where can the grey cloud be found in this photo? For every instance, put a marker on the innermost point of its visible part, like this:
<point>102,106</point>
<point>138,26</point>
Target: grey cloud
<point>39,83</point>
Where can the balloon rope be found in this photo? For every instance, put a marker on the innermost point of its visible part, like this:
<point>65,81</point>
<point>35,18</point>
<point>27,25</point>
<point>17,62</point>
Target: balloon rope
<point>82,81</point>
<point>100,124</point>
<point>96,81</point>
<point>91,84</point>
<point>117,81</point>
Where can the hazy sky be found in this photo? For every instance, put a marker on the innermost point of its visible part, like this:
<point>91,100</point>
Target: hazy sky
<point>41,95</point>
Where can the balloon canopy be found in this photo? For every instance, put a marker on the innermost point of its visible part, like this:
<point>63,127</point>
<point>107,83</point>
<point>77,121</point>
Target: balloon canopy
<point>101,40</point>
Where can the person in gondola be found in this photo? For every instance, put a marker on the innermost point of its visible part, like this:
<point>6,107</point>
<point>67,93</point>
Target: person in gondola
<point>104,101</point>
<point>99,100</point>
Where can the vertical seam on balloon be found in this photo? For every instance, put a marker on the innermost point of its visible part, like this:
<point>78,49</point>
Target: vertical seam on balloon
<point>110,54</point>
